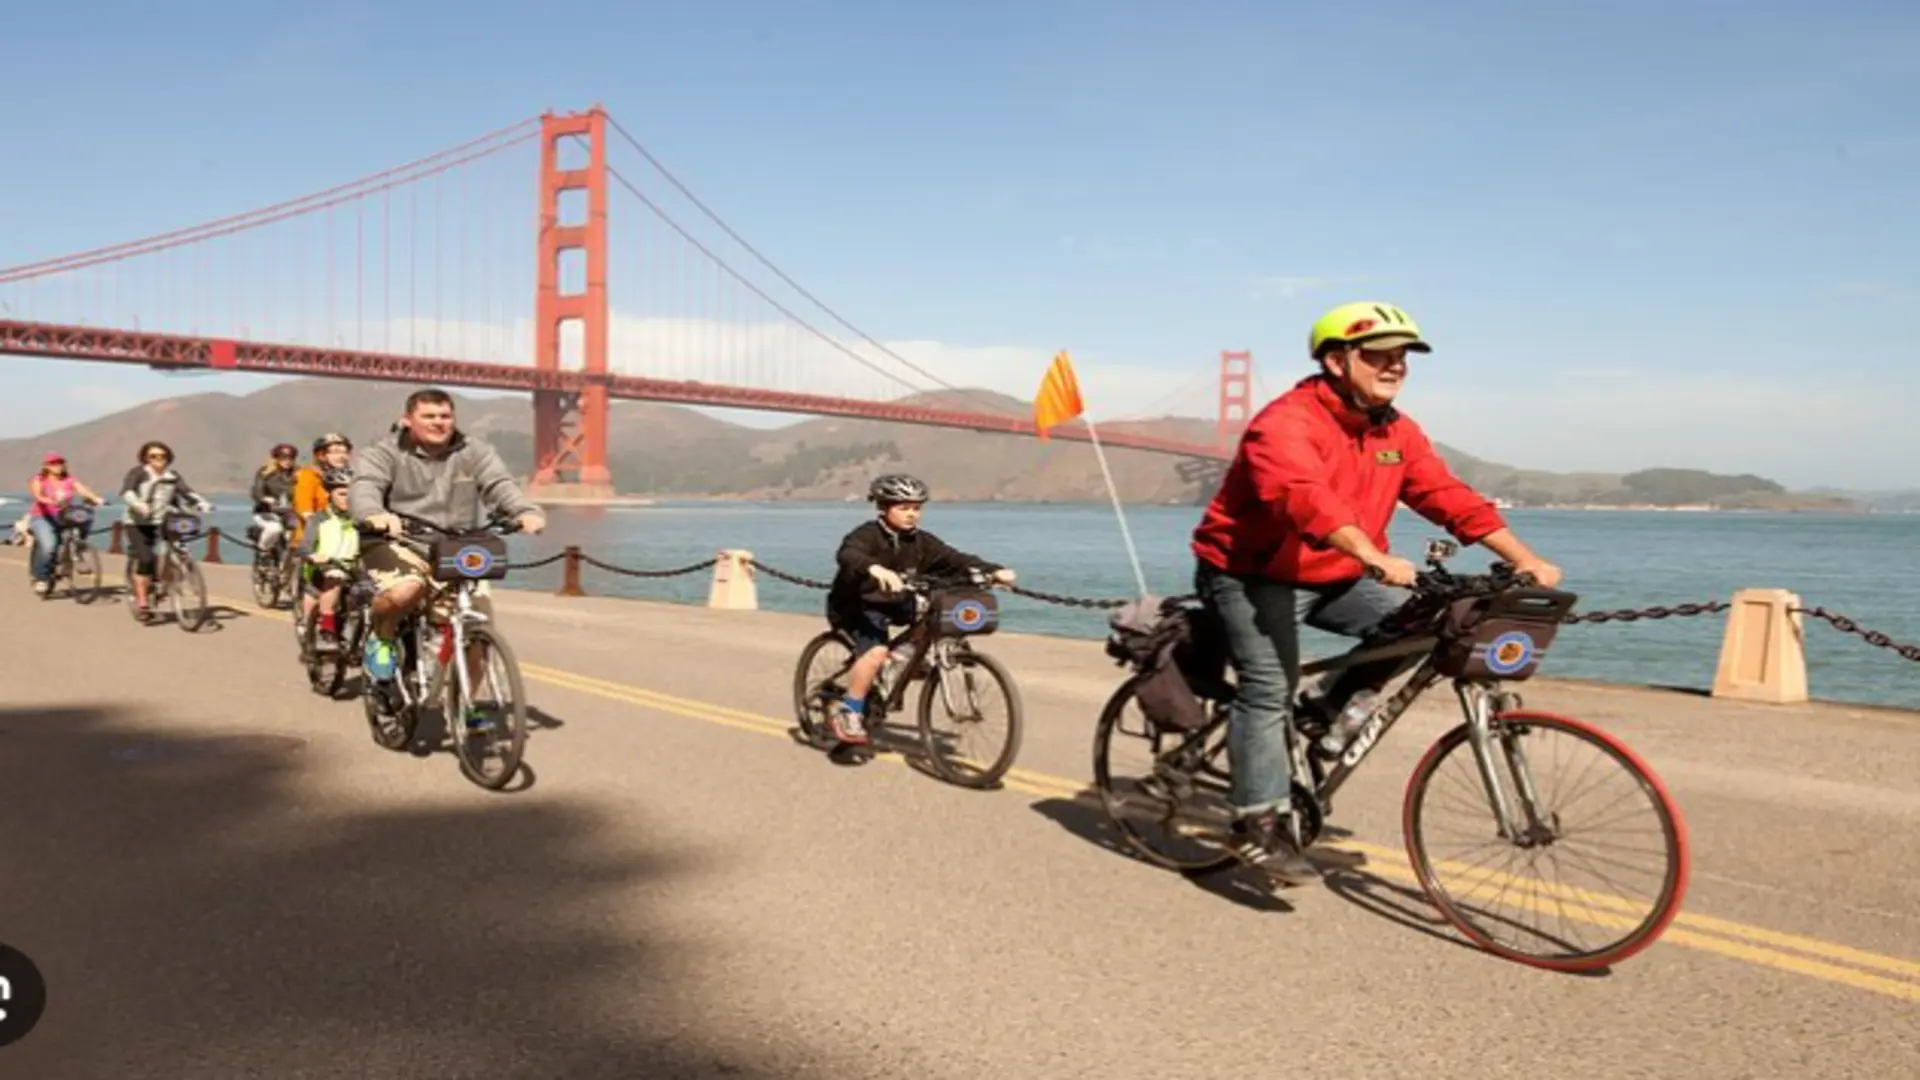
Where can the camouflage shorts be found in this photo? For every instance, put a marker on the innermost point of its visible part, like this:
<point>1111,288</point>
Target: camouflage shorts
<point>389,565</point>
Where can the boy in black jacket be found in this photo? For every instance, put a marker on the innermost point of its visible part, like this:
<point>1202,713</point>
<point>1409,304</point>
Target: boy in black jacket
<point>865,599</point>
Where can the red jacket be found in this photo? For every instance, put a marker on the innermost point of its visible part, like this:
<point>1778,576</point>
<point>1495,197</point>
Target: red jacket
<point>1306,466</point>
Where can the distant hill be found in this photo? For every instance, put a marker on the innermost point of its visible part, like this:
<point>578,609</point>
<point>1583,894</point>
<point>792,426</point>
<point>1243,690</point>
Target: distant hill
<point>220,439</point>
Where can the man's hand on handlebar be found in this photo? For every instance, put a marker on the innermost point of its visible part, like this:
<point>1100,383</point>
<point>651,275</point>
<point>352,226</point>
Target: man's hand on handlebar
<point>1391,569</point>
<point>1004,576</point>
<point>531,522</point>
<point>1544,574</point>
<point>384,522</point>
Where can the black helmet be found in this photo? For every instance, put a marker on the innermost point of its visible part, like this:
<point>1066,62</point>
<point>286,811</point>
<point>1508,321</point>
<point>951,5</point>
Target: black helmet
<point>897,488</point>
<point>331,438</point>
<point>334,479</point>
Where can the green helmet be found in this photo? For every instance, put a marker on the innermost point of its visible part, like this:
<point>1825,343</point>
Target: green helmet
<point>1364,323</point>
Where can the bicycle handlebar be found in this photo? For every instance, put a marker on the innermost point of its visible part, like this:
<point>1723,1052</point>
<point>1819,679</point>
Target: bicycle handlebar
<point>500,526</point>
<point>924,583</point>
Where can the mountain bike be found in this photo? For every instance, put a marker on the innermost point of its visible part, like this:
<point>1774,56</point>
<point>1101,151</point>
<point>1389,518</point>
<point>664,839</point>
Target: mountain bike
<point>176,573</point>
<point>441,637</point>
<point>75,560</point>
<point>327,672</point>
<point>935,647</point>
<point>1485,633</point>
<point>276,565</point>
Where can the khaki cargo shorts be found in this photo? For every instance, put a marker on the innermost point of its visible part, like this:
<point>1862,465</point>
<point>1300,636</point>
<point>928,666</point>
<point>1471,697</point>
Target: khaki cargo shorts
<point>389,564</point>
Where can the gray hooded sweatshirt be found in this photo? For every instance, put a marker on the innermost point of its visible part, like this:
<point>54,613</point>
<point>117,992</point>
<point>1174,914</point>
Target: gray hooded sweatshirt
<point>398,474</point>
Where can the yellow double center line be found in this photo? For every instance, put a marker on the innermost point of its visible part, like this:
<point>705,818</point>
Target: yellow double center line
<point>1811,957</point>
<point>1806,956</point>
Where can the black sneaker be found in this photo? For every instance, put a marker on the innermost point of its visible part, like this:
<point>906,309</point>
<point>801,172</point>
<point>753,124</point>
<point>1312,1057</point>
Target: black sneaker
<point>1266,843</point>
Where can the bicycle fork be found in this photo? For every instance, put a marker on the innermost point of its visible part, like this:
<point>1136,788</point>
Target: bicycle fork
<point>1479,705</point>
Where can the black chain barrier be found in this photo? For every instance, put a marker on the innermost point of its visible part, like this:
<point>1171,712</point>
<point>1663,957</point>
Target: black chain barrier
<point>1658,611</point>
<point>1872,637</point>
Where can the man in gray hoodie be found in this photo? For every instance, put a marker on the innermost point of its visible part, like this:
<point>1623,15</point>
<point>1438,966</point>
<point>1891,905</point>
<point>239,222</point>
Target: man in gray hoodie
<point>429,469</point>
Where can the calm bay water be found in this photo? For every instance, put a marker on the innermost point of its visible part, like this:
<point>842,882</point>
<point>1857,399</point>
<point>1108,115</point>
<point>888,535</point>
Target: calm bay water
<point>1612,559</point>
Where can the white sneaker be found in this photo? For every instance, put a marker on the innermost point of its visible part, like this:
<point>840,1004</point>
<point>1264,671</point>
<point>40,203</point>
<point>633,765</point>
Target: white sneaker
<point>42,587</point>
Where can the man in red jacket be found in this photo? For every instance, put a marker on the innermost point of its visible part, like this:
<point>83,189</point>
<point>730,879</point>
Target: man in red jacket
<point>1298,525</point>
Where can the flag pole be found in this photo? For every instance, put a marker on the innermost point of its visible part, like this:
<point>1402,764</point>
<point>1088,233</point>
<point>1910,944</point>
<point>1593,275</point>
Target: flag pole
<point>1133,556</point>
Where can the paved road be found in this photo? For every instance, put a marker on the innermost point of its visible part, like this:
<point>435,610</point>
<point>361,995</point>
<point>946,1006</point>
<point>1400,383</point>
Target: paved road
<point>685,892</point>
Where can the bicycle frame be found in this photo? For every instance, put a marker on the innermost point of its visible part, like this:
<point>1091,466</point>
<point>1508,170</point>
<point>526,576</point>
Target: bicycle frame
<point>932,653</point>
<point>451,650</point>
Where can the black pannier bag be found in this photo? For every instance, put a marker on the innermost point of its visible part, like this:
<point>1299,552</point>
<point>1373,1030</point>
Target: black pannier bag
<point>1174,648</point>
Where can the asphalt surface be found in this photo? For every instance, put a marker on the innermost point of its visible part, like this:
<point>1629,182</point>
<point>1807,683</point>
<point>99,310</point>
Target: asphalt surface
<point>221,875</point>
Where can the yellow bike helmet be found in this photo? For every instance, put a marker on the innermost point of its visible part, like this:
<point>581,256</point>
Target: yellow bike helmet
<point>1366,322</point>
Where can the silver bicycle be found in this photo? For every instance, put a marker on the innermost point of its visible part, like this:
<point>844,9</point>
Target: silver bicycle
<point>485,711</point>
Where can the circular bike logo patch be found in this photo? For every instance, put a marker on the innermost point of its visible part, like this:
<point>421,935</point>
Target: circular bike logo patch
<point>474,561</point>
<point>1509,652</point>
<point>969,614</point>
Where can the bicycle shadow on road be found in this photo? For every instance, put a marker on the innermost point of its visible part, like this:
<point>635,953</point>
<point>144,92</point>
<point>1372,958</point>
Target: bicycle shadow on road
<point>1084,817</point>
<point>208,907</point>
<point>1410,908</point>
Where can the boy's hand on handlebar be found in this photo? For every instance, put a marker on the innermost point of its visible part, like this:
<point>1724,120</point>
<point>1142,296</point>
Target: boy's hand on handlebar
<point>888,581</point>
<point>1003,576</point>
<point>1391,569</point>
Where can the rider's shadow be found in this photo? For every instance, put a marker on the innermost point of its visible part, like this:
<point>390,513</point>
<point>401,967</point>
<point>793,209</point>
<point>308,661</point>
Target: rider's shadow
<point>1084,817</point>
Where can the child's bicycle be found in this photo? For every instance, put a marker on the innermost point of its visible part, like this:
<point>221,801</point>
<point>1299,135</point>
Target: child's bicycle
<point>1494,770</point>
<point>327,672</point>
<point>948,613</point>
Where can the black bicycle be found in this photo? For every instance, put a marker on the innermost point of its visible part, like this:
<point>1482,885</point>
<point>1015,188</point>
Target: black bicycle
<point>485,712</point>
<point>327,671</point>
<point>1485,633</point>
<point>176,579</point>
<point>936,647</point>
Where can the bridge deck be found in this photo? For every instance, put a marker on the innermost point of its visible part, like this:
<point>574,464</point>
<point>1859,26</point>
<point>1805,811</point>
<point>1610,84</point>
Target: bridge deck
<point>685,892</point>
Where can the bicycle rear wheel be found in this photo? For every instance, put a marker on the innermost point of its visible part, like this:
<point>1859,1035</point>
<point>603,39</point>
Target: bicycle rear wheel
<point>498,701</point>
<point>827,654</point>
<point>188,591</point>
<point>266,577</point>
<point>1532,749</point>
<point>1169,793</point>
<point>971,754</point>
<point>84,574</point>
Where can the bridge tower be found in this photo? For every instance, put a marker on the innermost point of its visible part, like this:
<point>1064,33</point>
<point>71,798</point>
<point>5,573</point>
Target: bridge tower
<point>569,429</point>
<point>1236,396</point>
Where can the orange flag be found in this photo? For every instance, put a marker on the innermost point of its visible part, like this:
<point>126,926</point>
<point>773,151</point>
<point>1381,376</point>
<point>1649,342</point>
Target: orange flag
<point>1059,398</point>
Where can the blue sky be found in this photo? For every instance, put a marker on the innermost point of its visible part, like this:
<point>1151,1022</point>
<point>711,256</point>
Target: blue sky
<point>1639,233</point>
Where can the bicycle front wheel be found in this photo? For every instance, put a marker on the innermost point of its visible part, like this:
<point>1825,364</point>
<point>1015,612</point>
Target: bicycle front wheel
<point>266,579</point>
<point>488,722</point>
<point>1615,826</point>
<point>84,575</point>
<point>969,747</point>
<point>188,591</point>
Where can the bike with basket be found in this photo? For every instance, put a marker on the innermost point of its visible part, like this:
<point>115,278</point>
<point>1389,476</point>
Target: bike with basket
<point>1484,633</point>
<point>936,650</point>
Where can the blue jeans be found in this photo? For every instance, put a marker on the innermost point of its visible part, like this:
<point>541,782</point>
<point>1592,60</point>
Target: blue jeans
<point>45,540</point>
<point>1261,619</point>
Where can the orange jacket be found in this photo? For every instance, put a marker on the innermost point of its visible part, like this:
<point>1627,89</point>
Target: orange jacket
<point>308,497</point>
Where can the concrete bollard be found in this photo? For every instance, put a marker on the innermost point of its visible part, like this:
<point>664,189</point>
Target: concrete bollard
<point>1763,652</point>
<point>570,583</point>
<point>733,588</point>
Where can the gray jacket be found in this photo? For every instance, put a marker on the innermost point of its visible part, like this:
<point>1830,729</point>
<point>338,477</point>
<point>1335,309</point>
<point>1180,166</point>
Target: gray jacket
<point>397,474</point>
